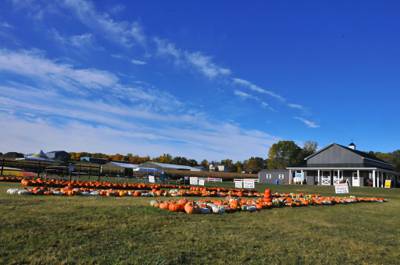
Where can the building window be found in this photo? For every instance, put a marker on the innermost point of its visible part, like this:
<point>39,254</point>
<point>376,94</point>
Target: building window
<point>268,176</point>
<point>281,176</point>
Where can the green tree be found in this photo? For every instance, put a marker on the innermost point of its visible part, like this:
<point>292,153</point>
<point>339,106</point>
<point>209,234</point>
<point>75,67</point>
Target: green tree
<point>205,164</point>
<point>228,164</point>
<point>254,165</point>
<point>238,167</point>
<point>283,154</point>
<point>165,158</point>
<point>309,148</point>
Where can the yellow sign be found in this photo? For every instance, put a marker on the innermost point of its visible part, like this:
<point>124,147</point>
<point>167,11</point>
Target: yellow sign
<point>388,184</point>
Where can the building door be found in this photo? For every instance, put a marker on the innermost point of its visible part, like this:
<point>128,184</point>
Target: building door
<point>326,178</point>
<point>355,180</point>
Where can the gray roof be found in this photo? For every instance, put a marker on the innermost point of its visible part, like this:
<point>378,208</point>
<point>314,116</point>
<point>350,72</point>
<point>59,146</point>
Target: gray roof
<point>171,166</point>
<point>124,165</point>
<point>360,153</point>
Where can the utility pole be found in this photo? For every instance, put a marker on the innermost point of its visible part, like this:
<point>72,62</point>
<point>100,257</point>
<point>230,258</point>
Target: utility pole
<point>2,167</point>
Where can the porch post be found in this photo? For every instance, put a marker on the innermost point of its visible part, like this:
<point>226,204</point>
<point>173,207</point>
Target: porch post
<point>359,180</point>
<point>319,177</point>
<point>290,176</point>
<point>373,179</point>
<point>304,177</point>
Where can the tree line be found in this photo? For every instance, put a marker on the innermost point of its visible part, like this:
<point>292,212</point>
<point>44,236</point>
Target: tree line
<point>280,155</point>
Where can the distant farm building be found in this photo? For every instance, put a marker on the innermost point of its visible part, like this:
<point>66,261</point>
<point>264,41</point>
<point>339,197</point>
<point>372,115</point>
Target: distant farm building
<point>94,160</point>
<point>274,176</point>
<point>165,166</point>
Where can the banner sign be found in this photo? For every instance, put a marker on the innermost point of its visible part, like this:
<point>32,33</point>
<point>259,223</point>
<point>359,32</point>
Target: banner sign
<point>342,188</point>
<point>202,181</point>
<point>248,184</point>
<point>299,175</point>
<point>238,184</point>
<point>194,180</point>
<point>152,179</point>
<point>214,179</point>
<point>388,184</point>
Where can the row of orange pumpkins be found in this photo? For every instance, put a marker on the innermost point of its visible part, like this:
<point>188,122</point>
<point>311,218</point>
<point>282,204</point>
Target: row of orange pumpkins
<point>179,190</point>
<point>59,183</point>
<point>12,178</point>
<point>230,205</point>
<point>70,191</point>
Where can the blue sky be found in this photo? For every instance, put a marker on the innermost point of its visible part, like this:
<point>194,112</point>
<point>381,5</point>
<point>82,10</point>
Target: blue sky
<point>206,79</point>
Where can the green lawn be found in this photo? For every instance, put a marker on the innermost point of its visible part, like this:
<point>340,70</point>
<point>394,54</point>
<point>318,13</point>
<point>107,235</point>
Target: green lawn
<point>89,230</point>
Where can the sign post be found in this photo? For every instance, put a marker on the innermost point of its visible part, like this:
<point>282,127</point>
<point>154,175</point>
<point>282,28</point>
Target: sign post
<point>71,169</point>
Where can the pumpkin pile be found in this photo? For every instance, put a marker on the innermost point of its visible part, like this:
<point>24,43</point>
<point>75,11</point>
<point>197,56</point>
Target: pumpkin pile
<point>82,187</point>
<point>71,191</point>
<point>11,178</point>
<point>231,200</point>
<point>268,201</point>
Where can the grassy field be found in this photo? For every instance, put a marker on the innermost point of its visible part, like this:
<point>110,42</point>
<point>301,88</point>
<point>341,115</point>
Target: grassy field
<point>82,230</point>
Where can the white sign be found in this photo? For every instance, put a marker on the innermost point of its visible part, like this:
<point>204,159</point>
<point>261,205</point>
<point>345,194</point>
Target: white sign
<point>299,175</point>
<point>342,188</point>
<point>152,179</point>
<point>214,179</point>
<point>194,180</point>
<point>202,182</point>
<point>238,184</point>
<point>248,184</point>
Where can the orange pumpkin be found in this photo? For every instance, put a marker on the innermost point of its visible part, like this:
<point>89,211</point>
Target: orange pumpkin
<point>164,205</point>
<point>189,209</point>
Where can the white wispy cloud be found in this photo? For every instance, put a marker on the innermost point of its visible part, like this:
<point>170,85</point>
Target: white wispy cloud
<point>60,74</point>
<point>308,123</point>
<point>138,62</point>
<point>166,48</point>
<point>81,40</point>
<point>125,33</point>
<point>253,87</point>
<point>296,106</point>
<point>196,60</point>
<point>242,94</point>
<point>82,81</point>
<point>246,96</point>
<point>205,65</point>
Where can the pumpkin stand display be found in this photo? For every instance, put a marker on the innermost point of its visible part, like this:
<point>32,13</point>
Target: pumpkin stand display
<point>233,199</point>
<point>70,191</point>
<point>229,204</point>
<point>148,189</point>
<point>63,187</point>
